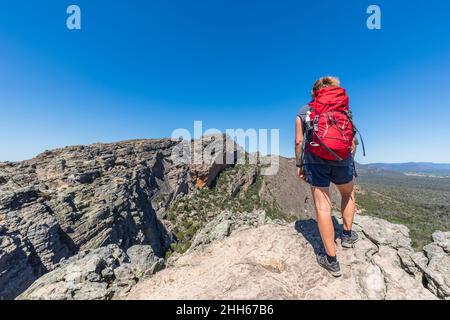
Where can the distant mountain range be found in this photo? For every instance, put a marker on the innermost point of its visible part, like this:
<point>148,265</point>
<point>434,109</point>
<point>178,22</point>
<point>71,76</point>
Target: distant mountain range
<point>418,168</point>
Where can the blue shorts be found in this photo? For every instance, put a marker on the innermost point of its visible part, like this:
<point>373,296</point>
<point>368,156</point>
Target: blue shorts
<point>321,175</point>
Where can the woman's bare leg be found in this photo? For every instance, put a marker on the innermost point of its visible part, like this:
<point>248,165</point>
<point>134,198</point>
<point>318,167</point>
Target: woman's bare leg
<point>322,202</point>
<point>348,204</point>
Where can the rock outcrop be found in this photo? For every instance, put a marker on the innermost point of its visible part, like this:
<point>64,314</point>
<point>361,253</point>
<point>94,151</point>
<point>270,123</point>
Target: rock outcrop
<point>96,222</point>
<point>100,274</point>
<point>291,196</point>
<point>85,197</point>
<point>20,266</point>
<point>434,263</point>
<point>278,261</point>
<point>227,222</point>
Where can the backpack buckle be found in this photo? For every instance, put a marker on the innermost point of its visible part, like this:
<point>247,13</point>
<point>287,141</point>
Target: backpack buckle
<point>316,123</point>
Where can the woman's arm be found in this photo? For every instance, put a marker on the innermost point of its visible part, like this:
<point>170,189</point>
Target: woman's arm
<point>298,139</point>
<point>354,146</point>
<point>298,146</point>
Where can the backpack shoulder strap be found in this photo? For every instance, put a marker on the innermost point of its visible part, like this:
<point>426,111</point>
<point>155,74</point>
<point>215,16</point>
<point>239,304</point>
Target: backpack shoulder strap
<point>356,131</point>
<point>306,129</point>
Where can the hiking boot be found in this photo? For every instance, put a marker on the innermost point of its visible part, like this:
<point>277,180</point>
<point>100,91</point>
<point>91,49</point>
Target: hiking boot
<point>347,241</point>
<point>332,267</point>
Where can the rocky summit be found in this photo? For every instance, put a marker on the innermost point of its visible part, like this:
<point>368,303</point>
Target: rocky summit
<point>130,220</point>
<point>277,260</point>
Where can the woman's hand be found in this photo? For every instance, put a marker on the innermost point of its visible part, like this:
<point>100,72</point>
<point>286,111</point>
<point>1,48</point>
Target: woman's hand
<point>301,174</point>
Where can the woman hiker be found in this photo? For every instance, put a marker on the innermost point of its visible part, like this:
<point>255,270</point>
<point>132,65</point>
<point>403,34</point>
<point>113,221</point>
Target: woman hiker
<point>325,145</point>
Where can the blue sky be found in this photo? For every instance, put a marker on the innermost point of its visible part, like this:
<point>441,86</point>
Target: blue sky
<point>140,69</point>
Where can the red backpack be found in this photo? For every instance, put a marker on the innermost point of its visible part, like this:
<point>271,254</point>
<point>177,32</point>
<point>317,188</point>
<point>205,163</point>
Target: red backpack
<point>331,126</point>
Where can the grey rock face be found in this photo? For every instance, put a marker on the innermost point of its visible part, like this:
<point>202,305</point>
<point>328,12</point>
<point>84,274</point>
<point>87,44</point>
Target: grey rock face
<point>382,232</point>
<point>19,264</point>
<point>86,197</point>
<point>243,179</point>
<point>442,239</point>
<point>89,222</point>
<point>144,261</point>
<point>432,266</point>
<point>436,269</point>
<point>100,274</point>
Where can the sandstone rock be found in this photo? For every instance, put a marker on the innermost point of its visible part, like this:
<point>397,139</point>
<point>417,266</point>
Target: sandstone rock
<point>243,179</point>
<point>382,232</point>
<point>442,239</point>
<point>407,258</point>
<point>100,274</point>
<point>84,276</point>
<point>89,222</point>
<point>36,222</point>
<point>431,266</point>
<point>144,261</point>
<point>374,286</point>
<point>210,155</point>
<point>399,283</point>
<point>227,222</point>
<point>278,261</point>
<point>19,264</point>
<point>436,270</point>
<point>86,197</point>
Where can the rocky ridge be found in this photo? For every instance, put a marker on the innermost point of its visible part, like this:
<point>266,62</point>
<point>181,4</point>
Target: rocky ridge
<point>86,197</point>
<point>98,222</point>
<point>250,256</point>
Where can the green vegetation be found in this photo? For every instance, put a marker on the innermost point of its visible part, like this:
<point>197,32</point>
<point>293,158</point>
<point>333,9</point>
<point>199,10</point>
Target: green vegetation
<point>420,203</point>
<point>190,214</point>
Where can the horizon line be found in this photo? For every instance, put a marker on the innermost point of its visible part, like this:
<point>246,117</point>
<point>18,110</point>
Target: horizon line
<point>167,138</point>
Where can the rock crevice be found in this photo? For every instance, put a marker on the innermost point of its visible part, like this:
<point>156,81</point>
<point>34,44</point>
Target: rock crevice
<point>94,222</point>
<point>86,197</point>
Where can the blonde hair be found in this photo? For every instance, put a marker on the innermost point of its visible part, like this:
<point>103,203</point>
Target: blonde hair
<point>323,82</point>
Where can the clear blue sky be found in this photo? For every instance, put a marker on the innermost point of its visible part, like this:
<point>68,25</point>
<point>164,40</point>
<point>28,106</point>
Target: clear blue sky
<point>140,69</point>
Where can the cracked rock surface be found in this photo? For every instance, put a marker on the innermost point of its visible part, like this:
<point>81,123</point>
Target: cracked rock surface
<point>100,274</point>
<point>92,222</point>
<point>78,198</point>
<point>278,261</point>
